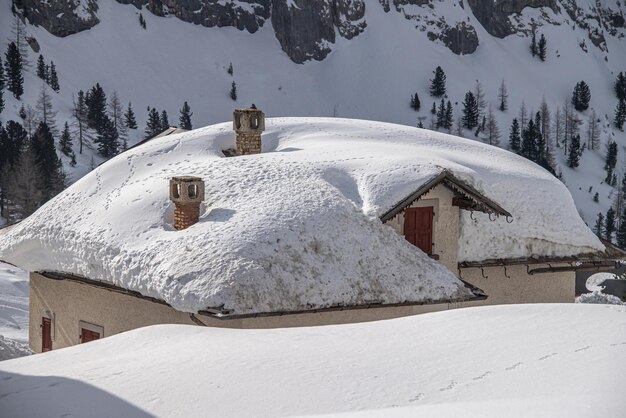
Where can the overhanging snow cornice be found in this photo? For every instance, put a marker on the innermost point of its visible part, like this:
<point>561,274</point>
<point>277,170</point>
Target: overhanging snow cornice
<point>479,202</point>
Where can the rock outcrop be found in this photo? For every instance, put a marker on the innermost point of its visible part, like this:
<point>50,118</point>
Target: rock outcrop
<point>494,15</point>
<point>60,18</point>
<point>305,29</point>
<point>460,39</point>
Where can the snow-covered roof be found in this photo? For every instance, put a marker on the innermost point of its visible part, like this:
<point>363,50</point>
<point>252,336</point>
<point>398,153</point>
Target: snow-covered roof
<point>296,227</point>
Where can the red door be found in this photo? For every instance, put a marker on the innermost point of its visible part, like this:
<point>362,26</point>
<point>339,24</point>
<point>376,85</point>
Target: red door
<point>88,335</point>
<point>418,227</point>
<point>46,335</point>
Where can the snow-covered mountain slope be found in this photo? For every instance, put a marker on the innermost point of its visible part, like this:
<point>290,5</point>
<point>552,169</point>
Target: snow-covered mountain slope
<point>370,76</point>
<point>515,361</point>
<point>303,212</point>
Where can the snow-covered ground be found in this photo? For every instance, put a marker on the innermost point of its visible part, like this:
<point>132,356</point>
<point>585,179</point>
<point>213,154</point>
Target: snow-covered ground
<point>517,361</point>
<point>297,225</point>
<point>13,312</point>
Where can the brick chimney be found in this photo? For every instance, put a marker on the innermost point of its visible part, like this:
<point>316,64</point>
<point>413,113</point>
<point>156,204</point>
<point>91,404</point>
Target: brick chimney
<point>187,193</point>
<point>248,124</point>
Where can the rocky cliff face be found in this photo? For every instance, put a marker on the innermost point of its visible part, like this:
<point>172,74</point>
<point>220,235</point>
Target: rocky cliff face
<point>494,15</point>
<point>307,29</point>
<point>60,17</point>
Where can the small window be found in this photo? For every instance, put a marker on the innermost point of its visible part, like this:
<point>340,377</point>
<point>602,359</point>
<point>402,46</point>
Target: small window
<point>192,191</point>
<point>175,191</point>
<point>89,332</point>
<point>254,122</point>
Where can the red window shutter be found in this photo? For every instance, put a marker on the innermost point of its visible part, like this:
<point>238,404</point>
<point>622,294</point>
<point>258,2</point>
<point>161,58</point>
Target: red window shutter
<point>418,227</point>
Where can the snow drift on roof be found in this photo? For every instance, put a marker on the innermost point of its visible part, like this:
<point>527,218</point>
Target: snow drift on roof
<point>295,227</point>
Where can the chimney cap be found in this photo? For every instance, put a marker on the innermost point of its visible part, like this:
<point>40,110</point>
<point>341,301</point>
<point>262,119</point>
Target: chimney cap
<point>186,189</point>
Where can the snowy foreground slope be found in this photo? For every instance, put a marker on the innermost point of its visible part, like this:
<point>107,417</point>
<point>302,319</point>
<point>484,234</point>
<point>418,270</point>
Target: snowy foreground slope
<point>298,224</point>
<point>515,361</point>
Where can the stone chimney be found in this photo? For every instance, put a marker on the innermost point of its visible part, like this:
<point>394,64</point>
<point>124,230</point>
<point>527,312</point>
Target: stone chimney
<point>187,193</point>
<point>248,124</point>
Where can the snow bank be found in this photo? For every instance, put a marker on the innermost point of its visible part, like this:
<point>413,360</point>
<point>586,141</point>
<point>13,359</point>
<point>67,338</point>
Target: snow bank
<point>544,360</point>
<point>599,297</point>
<point>296,226</point>
<point>13,303</point>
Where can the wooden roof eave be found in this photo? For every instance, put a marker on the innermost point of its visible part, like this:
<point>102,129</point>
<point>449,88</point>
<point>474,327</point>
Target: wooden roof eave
<point>481,202</point>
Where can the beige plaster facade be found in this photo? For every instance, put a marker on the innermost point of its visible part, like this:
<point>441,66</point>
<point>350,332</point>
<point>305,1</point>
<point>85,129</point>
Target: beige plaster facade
<point>70,305</point>
<point>445,224</point>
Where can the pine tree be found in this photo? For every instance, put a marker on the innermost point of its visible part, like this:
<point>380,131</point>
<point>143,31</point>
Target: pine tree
<point>53,178</point>
<point>18,32</point>
<point>593,131</point>
<point>24,186</point>
<point>479,94</point>
<point>230,69</point>
<point>449,117</point>
<point>533,42</point>
<point>470,111</point>
<point>13,67</point>
<point>129,117</point>
<point>620,115</point>
<point>523,114</point>
<point>573,157</point>
<point>433,110</point>
<point>153,126</point>
<point>142,21</point>
<point>65,143</point>
<point>598,228</point>
<point>492,129</point>
<point>581,96</point>
<point>233,91</point>
<point>41,68</point>
<point>542,47</point>
<point>503,97</point>
<point>184,119</point>
<point>621,231</point>
<point>165,123</point>
<point>529,145</point>
<point>441,114</point>
<point>30,121</point>
<point>2,87</point>
<point>596,197</point>
<point>79,112</point>
<point>546,125</point>
<point>438,83</point>
<point>54,80</point>
<point>2,78</point>
<point>514,137</point>
<point>415,102</point>
<point>13,143</point>
<point>620,86</point>
<point>45,110</point>
<point>116,114</point>
<point>96,103</point>
<point>571,123</point>
<point>107,139</point>
<point>610,160</point>
<point>609,226</point>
